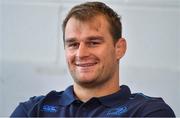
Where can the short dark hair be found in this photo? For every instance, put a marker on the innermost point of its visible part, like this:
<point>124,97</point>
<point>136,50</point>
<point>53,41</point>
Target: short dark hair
<point>88,10</point>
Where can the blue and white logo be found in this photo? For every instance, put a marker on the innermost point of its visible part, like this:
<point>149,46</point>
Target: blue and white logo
<point>117,111</point>
<point>49,108</point>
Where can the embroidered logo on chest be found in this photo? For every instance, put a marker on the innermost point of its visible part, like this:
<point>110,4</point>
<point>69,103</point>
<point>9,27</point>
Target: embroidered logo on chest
<point>49,108</point>
<point>117,111</point>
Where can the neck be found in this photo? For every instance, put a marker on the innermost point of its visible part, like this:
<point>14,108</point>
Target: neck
<point>84,93</point>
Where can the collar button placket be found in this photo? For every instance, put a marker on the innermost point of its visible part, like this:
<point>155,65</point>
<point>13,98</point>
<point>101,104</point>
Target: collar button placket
<point>81,112</point>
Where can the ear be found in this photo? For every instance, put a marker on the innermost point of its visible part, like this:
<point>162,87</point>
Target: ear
<point>120,48</point>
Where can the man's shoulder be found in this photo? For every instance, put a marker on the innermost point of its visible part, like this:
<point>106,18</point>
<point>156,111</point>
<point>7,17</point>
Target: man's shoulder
<point>33,100</point>
<point>38,99</point>
<point>26,108</point>
<point>142,97</point>
<point>151,106</point>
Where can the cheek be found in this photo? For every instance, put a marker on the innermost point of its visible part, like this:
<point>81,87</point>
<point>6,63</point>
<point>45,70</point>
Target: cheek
<point>69,57</point>
<point>111,58</point>
<point>109,53</point>
<point>107,57</point>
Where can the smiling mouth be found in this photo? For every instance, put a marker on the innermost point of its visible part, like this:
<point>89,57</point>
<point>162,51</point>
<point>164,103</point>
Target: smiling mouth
<point>85,64</point>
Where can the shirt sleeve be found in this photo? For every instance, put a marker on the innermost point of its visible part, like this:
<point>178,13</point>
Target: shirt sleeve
<point>20,111</point>
<point>161,113</point>
<point>157,109</point>
<point>23,109</point>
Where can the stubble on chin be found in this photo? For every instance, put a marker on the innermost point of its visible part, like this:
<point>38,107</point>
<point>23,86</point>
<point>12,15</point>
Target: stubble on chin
<point>91,83</point>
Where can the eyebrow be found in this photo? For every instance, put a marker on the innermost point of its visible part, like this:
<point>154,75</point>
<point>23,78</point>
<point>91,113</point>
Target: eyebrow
<point>70,40</point>
<point>95,38</point>
<point>90,38</point>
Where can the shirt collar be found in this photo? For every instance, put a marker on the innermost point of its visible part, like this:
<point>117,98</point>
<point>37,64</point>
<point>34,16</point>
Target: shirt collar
<point>67,97</point>
<point>119,97</point>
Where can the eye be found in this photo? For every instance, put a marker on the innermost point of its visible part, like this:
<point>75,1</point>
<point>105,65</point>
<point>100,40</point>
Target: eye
<point>93,43</point>
<point>73,45</point>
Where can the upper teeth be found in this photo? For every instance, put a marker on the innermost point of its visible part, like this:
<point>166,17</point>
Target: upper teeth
<point>86,64</point>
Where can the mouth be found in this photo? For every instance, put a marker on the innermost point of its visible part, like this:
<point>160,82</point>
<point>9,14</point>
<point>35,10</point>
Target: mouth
<point>85,64</point>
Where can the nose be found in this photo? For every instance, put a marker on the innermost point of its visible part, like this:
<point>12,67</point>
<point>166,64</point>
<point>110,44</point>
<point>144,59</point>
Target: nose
<point>82,51</point>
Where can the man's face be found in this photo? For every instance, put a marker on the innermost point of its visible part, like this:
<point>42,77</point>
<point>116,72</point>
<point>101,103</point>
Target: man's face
<point>90,52</point>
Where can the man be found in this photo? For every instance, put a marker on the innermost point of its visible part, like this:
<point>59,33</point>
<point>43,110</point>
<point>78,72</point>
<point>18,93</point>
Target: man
<point>93,46</point>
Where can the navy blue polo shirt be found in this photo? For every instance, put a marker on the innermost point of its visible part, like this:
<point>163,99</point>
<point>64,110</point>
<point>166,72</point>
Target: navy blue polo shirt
<point>119,104</point>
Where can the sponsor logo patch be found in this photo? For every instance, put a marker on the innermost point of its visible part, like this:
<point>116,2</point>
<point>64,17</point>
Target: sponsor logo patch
<point>49,108</point>
<point>117,111</point>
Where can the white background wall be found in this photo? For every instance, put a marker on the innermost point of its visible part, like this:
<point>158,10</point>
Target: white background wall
<point>33,57</point>
<point>0,55</point>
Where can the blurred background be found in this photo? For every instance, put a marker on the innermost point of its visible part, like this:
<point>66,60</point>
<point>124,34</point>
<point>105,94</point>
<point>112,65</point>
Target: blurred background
<point>32,59</point>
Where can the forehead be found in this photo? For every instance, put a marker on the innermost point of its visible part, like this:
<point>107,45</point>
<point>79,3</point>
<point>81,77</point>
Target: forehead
<point>94,25</point>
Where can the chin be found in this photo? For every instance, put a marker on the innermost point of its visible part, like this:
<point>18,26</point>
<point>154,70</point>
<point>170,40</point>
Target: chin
<point>87,82</point>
